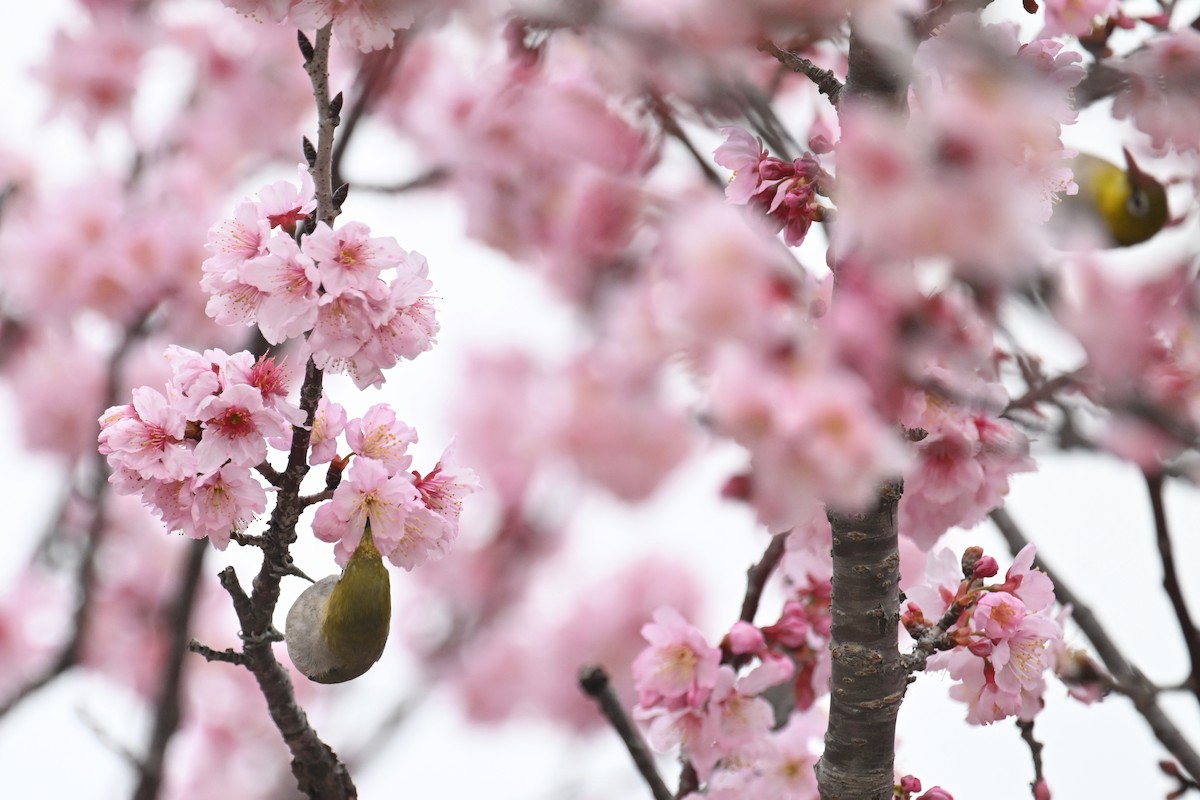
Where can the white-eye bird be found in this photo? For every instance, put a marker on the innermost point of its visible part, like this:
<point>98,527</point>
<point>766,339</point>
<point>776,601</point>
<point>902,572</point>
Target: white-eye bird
<point>1124,204</point>
<point>337,627</point>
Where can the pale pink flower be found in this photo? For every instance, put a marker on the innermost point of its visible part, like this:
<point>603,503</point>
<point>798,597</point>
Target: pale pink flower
<point>617,428</point>
<point>236,427</point>
<point>148,438</point>
<point>784,193</point>
<point>1162,93</point>
<point>443,490</point>
<point>963,465</point>
<point>1022,659</point>
<point>998,615</point>
<point>349,258</point>
<point>328,424</point>
<point>1074,17</point>
<point>285,205</point>
<point>813,436</point>
<point>286,280</point>
<point>401,526</point>
<point>344,322</point>
<point>785,764</point>
<point>365,24</point>
<point>678,665</point>
<point>718,279</point>
<point>380,436</point>
<point>96,72</point>
<point>224,501</point>
<point>58,374</point>
<point>986,702</point>
<point>736,719</point>
<point>232,242</point>
<point>741,153</point>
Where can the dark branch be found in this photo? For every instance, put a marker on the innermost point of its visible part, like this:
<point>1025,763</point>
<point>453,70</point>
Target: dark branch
<point>758,575</point>
<point>594,682</point>
<point>1129,679</point>
<point>227,656</point>
<point>1191,637</point>
<point>666,117</point>
<point>168,712</point>
<point>1035,753</point>
<point>826,82</point>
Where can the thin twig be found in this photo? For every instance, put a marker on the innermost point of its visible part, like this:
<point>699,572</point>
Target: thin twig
<point>826,82</point>
<point>373,75</point>
<point>1130,680</point>
<point>666,117</point>
<point>227,656</point>
<point>1191,637</point>
<point>594,682</point>
<point>168,713</point>
<point>757,576</point>
<point>1035,753</point>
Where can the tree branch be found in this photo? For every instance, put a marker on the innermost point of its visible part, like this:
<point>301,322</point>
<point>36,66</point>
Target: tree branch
<point>758,575</point>
<point>594,682</point>
<point>168,714</point>
<point>1191,637</point>
<point>1035,753</point>
<point>826,82</point>
<point>867,677</point>
<point>1129,679</point>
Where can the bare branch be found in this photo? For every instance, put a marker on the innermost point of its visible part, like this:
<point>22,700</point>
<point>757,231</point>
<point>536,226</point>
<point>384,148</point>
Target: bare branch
<point>594,682</point>
<point>1129,679</point>
<point>168,713</point>
<point>826,82</point>
<point>1035,753</point>
<point>1191,637</point>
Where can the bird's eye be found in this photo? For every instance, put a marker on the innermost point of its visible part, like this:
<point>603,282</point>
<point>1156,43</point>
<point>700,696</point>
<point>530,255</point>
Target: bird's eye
<point>1138,203</point>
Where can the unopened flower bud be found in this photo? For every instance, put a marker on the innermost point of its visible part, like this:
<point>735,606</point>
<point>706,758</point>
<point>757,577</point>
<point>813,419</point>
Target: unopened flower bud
<point>985,567</point>
<point>970,557</point>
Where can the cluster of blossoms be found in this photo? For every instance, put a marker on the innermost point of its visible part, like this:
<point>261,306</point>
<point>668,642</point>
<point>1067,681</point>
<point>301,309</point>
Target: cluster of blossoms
<point>413,517</point>
<point>689,695</point>
<point>189,451</point>
<point>365,24</point>
<point>329,283</point>
<point>1003,637</point>
<point>746,735</point>
<point>963,462</point>
<point>785,193</point>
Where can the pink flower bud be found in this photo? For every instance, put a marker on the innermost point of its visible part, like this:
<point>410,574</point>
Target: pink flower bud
<point>985,567</point>
<point>1041,791</point>
<point>910,784</point>
<point>936,793</point>
<point>745,638</point>
<point>981,647</point>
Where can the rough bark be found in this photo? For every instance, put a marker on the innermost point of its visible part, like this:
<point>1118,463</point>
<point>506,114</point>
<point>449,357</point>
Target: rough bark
<point>867,679</point>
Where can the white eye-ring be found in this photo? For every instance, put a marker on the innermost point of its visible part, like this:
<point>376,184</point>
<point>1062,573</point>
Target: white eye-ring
<point>1138,203</point>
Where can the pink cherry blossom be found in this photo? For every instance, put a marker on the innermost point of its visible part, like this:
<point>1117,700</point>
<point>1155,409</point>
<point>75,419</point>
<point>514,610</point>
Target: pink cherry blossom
<point>349,258</point>
<point>328,424</point>
<point>236,427</point>
<point>999,615</point>
<point>1160,95</point>
<point>1074,17</point>
<point>147,437</point>
<point>401,526</point>
<point>678,664</point>
<point>223,501</point>
<point>286,281</point>
<point>380,436</point>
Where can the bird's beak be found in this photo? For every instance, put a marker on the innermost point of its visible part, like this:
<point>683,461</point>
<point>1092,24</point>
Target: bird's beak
<point>1135,172</point>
